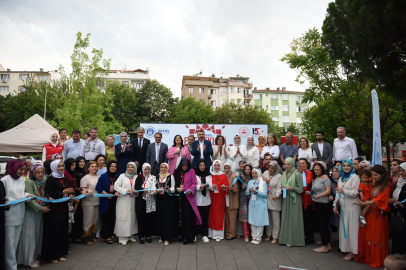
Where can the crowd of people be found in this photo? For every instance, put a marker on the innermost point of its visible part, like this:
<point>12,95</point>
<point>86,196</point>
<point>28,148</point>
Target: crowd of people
<point>267,192</point>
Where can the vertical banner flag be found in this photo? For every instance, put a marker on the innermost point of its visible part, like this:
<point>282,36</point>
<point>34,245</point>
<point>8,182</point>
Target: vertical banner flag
<point>376,147</point>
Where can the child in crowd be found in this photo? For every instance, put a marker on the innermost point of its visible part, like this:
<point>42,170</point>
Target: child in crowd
<point>395,262</point>
<point>364,190</point>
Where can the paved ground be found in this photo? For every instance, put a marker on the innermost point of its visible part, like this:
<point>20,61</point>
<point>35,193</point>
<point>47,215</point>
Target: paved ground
<point>235,254</point>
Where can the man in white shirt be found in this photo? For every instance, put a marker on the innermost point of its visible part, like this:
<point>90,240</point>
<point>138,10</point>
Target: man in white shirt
<point>344,147</point>
<point>322,151</point>
<point>92,146</point>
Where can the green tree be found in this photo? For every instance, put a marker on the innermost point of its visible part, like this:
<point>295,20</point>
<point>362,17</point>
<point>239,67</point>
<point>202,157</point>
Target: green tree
<point>155,102</point>
<point>190,110</point>
<point>341,99</point>
<point>369,39</point>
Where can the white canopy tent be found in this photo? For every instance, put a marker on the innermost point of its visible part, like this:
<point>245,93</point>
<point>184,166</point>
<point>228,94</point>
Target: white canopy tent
<point>29,136</point>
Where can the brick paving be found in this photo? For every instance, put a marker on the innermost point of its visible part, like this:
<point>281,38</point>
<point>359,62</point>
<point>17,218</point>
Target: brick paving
<point>235,254</point>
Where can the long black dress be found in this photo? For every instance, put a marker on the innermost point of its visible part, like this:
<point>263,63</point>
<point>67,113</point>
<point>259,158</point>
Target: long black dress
<point>77,226</point>
<point>165,216</point>
<point>2,225</point>
<point>56,222</point>
<point>399,239</point>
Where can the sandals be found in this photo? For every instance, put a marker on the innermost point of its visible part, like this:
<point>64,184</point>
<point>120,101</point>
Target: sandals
<point>320,250</point>
<point>114,238</point>
<point>274,241</point>
<point>89,243</point>
<point>345,258</point>
<point>109,241</point>
<point>35,265</point>
<point>268,238</point>
<point>62,259</point>
<point>53,261</point>
<point>247,240</point>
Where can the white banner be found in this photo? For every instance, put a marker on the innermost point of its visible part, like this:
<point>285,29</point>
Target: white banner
<point>376,147</point>
<point>169,131</point>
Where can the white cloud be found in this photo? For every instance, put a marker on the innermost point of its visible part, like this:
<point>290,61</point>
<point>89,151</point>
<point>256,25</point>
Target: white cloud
<point>172,38</point>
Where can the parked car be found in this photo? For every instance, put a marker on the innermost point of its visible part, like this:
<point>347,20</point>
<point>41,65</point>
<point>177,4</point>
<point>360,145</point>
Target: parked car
<point>3,163</point>
<point>34,160</point>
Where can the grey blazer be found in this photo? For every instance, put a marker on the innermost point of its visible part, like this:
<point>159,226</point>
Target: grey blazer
<point>327,152</point>
<point>151,156</point>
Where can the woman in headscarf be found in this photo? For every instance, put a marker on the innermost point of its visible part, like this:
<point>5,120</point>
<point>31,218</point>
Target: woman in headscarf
<point>15,189</point>
<point>273,178</point>
<point>57,156</point>
<point>51,148</point>
<point>188,216</point>
<point>252,152</point>
<point>107,206</point>
<point>70,165</point>
<point>399,195</point>
<point>165,216</point>
<point>124,153</point>
<point>261,144</point>
<point>126,222</point>
<point>29,246</point>
<point>241,165</point>
<point>377,229</point>
<point>220,150</point>
<point>202,196</point>
<point>218,202</point>
<point>307,202</point>
<point>56,222</point>
<point>77,226</point>
<point>110,148</point>
<point>237,152</point>
<point>246,176</point>
<point>176,152</point>
<point>366,165</point>
<point>90,205</point>
<point>292,230</point>
<point>145,203</point>
<point>258,212</point>
<point>232,203</point>
<point>347,196</point>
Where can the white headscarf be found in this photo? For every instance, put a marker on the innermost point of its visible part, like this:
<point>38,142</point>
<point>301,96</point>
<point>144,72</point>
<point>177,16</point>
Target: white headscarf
<point>367,163</point>
<point>143,168</point>
<point>401,182</point>
<point>220,172</point>
<point>261,181</point>
<point>237,144</point>
<point>50,138</point>
<point>250,146</point>
<point>126,137</point>
<point>228,164</point>
<point>54,169</point>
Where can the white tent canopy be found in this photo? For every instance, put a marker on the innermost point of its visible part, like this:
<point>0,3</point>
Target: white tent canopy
<point>29,136</point>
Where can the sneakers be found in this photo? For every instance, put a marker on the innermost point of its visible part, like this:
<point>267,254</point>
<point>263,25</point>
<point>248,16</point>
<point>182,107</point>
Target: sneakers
<point>362,220</point>
<point>205,239</point>
<point>195,239</point>
<point>217,239</point>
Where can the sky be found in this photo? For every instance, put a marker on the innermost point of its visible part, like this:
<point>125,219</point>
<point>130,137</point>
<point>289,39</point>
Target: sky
<point>171,38</point>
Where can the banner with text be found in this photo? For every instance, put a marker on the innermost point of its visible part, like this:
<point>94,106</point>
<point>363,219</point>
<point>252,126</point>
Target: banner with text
<point>169,131</point>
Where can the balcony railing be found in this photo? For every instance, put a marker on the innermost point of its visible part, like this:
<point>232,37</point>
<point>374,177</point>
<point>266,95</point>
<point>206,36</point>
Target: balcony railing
<point>247,96</point>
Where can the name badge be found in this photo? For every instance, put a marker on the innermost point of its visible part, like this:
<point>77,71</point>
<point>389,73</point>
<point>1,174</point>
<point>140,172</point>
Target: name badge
<point>111,188</point>
<point>182,186</point>
<point>131,195</point>
<point>41,203</point>
<point>144,195</point>
<point>254,197</point>
<point>65,195</point>
<point>216,190</point>
<point>163,191</point>
<point>269,190</point>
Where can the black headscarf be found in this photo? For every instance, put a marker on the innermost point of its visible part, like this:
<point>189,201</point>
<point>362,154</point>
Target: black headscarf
<point>68,163</point>
<point>110,174</point>
<point>202,174</point>
<point>184,161</point>
<point>78,169</point>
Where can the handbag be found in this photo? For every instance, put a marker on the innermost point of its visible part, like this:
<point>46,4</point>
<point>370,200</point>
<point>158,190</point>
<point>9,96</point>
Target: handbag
<point>396,222</point>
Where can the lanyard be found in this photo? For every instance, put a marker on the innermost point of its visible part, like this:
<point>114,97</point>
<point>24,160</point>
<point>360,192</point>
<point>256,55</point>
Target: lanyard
<point>144,181</point>
<point>112,180</point>
<point>182,175</point>
<point>62,184</point>
<point>131,182</point>
<point>290,175</point>
<point>40,190</point>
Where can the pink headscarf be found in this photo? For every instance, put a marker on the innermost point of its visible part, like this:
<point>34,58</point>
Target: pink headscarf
<point>13,166</point>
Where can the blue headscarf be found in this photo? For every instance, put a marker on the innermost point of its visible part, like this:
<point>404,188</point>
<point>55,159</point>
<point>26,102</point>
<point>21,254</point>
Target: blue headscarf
<point>345,176</point>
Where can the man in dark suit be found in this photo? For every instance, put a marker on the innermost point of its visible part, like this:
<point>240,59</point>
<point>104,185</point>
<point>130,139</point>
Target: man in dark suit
<point>322,151</point>
<point>156,154</point>
<point>140,145</point>
<point>201,149</point>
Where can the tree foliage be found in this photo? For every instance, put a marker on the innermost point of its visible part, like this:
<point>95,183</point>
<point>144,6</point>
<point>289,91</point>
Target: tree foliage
<point>341,99</point>
<point>369,40</point>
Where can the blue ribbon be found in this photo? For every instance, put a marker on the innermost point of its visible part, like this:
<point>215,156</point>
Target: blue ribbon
<point>342,217</point>
<point>304,179</point>
<point>284,192</point>
<point>399,202</point>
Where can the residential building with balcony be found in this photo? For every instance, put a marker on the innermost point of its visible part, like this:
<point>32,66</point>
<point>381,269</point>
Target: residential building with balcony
<point>12,82</point>
<point>284,106</point>
<point>217,91</point>
<point>133,78</point>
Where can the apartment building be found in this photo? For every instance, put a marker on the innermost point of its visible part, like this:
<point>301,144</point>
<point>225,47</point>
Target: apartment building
<point>133,78</point>
<point>217,91</point>
<point>12,82</point>
<point>284,106</point>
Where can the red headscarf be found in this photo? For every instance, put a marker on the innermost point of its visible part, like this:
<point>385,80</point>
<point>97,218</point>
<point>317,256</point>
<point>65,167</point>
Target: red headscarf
<point>13,166</point>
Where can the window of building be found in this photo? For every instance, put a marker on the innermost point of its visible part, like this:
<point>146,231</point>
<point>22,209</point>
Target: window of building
<point>190,89</point>
<point>213,103</point>
<point>132,85</point>
<point>260,107</point>
<point>139,85</point>
<point>213,91</point>
<point>3,88</point>
<point>42,78</point>
<point>201,90</point>
<point>274,108</point>
<point>23,77</point>
<point>224,90</point>
<point>232,90</point>
<point>274,96</point>
<point>126,83</point>
<point>286,119</point>
<point>21,88</point>
<point>299,98</point>
<point>300,109</point>
<point>285,97</point>
<point>285,108</point>
<point>223,101</point>
<point>239,90</point>
<point>299,120</point>
<point>5,77</point>
<point>232,100</point>
<point>276,119</point>
<point>257,96</point>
